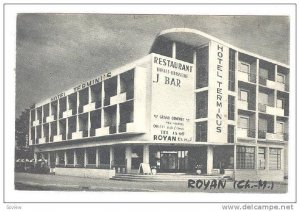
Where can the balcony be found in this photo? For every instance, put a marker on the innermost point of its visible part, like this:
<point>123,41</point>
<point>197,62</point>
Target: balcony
<point>57,138</point>
<point>243,105</point>
<point>102,131</point>
<point>89,107</point>
<point>271,84</point>
<point>282,87</point>
<point>248,77</point>
<point>245,133</point>
<point>77,135</point>
<point>67,113</point>
<point>42,140</point>
<point>127,127</point>
<point>118,98</point>
<point>36,122</point>
<point>50,118</point>
<point>277,136</point>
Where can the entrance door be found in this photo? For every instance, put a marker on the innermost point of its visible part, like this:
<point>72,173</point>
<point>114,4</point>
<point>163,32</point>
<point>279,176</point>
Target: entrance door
<point>169,161</point>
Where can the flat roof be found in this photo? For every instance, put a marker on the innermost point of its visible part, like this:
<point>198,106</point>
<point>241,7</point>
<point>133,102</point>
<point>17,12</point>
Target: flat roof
<point>198,38</point>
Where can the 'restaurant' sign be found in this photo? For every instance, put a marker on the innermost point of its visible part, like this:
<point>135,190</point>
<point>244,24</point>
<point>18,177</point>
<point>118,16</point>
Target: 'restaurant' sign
<point>172,110</point>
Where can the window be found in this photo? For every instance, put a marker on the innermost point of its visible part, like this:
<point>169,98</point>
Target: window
<point>230,137</point>
<point>261,158</point>
<point>275,159</point>
<point>244,67</point>
<point>201,104</point>
<point>280,127</point>
<point>243,95</point>
<point>231,78</point>
<point>202,67</point>
<point>231,107</point>
<point>201,131</point>
<point>245,157</point>
<point>280,78</point>
<point>279,103</point>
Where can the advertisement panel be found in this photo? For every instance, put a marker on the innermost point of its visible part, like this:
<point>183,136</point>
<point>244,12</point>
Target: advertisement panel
<point>172,109</point>
<point>218,93</point>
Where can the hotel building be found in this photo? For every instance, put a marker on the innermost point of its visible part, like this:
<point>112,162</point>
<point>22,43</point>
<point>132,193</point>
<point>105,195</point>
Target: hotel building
<point>193,101</point>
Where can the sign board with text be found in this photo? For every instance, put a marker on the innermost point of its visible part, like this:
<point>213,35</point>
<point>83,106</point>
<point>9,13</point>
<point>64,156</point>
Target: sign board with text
<point>172,109</point>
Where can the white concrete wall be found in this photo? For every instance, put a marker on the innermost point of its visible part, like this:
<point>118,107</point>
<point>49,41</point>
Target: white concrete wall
<point>86,173</point>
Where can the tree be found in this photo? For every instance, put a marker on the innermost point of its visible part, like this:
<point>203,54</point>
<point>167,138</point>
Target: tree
<point>21,136</point>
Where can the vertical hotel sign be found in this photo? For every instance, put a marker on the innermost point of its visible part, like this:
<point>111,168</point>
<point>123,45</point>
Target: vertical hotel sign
<point>172,108</point>
<point>218,93</point>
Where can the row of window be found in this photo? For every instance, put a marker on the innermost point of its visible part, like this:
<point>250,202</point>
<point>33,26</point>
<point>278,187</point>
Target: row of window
<point>246,158</point>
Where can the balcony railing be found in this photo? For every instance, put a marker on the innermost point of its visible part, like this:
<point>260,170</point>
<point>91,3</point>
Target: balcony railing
<point>262,107</point>
<point>98,103</point>
<point>122,128</point>
<point>250,76</point>
<point>92,132</point>
<point>112,129</point>
<point>246,132</point>
<point>262,134</point>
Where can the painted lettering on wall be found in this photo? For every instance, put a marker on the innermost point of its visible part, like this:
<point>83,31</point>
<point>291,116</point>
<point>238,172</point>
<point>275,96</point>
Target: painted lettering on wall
<point>172,100</point>
<point>56,97</point>
<point>92,82</point>
<point>219,88</point>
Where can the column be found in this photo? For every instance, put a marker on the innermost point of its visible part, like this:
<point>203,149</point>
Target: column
<point>90,95</point>
<point>146,154</point>
<point>256,98</point>
<point>75,157</point>
<point>35,158</point>
<point>49,159</point>
<point>57,117</point>
<point>118,105</point>
<point>111,156</point>
<point>210,153</point>
<point>174,50</point>
<point>56,159</point>
<point>29,129</point>
<point>97,157</point>
<point>77,117</point>
<point>85,158</point>
<point>66,158</point>
<point>89,124</point>
<point>267,158</point>
<point>128,152</point>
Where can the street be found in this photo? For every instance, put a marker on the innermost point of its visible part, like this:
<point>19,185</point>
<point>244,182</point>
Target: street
<point>27,181</point>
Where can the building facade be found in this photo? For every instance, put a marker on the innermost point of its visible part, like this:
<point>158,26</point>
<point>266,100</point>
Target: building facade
<point>193,102</point>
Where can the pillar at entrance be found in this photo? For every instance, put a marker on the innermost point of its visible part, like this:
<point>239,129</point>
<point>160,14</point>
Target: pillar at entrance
<point>146,154</point>
<point>128,153</point>
<point>111,156</point>
<point>56,159</point>
<point>35,158</point>
<point>85,158</point>
<point>210,153</point>
<point>66,159</point>
<point>97,157</point>
<point>75,158</point>
<point>49,159</point>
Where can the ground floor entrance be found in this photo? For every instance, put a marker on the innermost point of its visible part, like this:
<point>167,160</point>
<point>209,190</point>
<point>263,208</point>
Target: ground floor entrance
<point>128,158</point>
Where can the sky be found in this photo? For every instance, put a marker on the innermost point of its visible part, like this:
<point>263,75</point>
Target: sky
<point>57,51</point>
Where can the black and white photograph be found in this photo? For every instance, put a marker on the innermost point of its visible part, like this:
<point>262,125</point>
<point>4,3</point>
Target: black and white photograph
<point>107,102</point>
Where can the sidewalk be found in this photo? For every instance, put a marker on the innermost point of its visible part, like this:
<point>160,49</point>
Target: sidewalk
<point>26,181</point>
